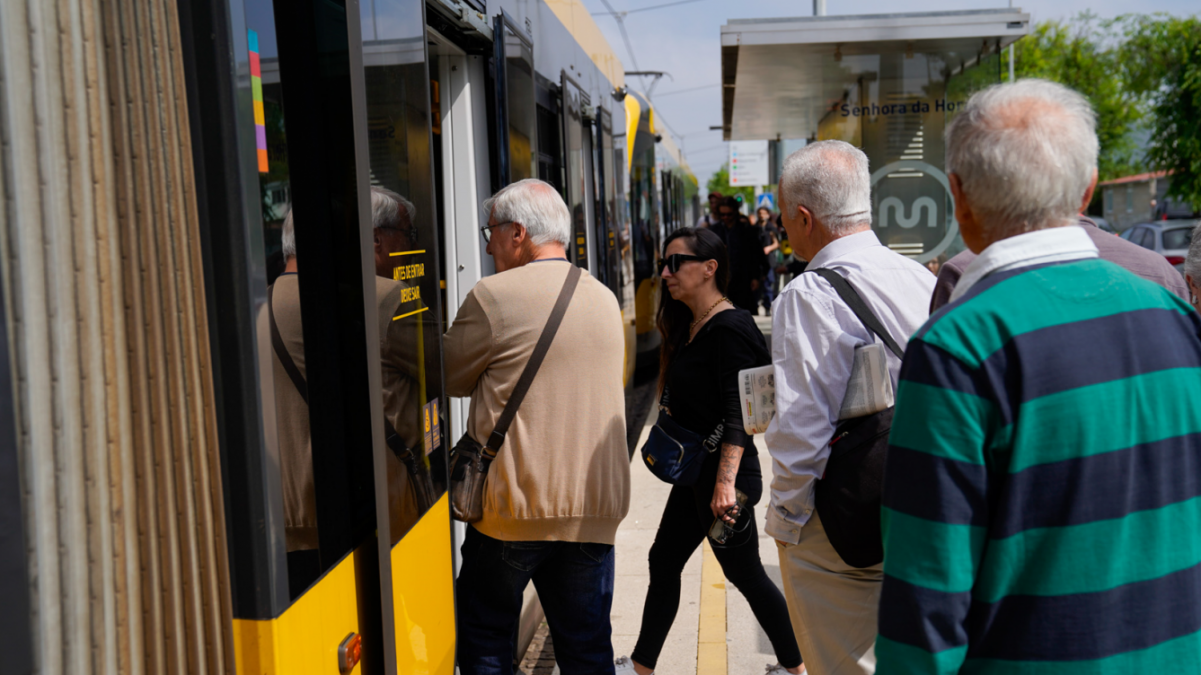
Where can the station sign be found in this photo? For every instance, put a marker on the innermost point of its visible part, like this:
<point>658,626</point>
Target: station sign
<point>914,213</point>
<point>749,163</point>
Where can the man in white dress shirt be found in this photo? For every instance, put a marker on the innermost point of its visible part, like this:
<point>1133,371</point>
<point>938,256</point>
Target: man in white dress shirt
<point>825,195</point>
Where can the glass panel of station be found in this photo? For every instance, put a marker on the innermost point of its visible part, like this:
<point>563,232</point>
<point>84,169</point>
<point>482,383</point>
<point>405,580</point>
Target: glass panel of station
<point>577,145</point>
<point>405,240</point>
<point>894,103</point>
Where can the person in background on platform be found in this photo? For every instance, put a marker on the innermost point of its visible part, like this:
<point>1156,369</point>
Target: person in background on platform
<point>935,264</point>
<point>769,237</point>
<point>1040,493</point>
<point>748,263</point>
<point>706,341</point>
<point>712,218</point>
<point>825,199</point>
<point>560,485</point>
<point>1192,269</point>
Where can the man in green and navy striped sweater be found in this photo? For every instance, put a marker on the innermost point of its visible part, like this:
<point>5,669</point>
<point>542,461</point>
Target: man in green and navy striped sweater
<point>1042,496</point>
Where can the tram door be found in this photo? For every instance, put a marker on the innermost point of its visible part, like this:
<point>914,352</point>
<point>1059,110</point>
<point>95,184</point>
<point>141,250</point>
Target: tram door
<point>577,156</point>
<point>341,534</point>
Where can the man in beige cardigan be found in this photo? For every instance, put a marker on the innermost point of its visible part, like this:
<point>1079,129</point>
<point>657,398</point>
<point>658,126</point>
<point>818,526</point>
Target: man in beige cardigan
<point>561,483</point>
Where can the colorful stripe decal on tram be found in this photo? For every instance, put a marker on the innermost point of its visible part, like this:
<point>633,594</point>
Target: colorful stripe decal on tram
<point>256,87</point>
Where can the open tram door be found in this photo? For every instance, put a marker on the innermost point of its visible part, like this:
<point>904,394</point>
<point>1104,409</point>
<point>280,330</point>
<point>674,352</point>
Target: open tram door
<point>325,306</point>
<point>576,115</point>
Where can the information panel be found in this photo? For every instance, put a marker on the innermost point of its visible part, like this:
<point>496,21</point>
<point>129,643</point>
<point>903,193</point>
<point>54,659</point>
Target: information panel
<point>748,163</point>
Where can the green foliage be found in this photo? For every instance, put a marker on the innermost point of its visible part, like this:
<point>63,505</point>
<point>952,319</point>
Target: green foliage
<point>1084,54</point>
<point>720,182</point>
<point>1161,61</point>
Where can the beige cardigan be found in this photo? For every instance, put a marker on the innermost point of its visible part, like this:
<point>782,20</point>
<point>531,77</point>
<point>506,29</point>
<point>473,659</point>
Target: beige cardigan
<point>563,473</point>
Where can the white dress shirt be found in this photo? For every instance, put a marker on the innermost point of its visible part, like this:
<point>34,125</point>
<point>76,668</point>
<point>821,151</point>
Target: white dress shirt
<point>814,335</point>
<point>1057,244</point>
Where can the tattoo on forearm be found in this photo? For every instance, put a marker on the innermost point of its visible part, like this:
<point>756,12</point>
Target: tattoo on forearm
<point>727,468</point>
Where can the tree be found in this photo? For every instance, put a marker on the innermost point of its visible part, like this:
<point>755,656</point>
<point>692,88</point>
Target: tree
<point>1085,54</point>
<point>1161,61</point>
<point>720,182</point>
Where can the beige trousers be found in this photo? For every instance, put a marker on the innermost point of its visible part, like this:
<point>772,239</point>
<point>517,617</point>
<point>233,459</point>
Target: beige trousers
<point>833,606</point>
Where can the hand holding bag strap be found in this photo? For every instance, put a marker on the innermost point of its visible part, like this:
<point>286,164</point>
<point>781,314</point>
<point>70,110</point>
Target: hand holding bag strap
<point>497,438</point>
<point>850,296</point>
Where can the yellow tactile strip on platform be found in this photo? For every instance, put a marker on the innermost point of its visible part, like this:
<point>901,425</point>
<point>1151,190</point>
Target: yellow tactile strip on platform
<point>711,631</point>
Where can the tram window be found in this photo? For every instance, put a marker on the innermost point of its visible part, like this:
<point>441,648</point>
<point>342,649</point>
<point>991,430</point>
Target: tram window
<point>608,239</point>
<point>577,158</point>
<point>408,296</point>
<point>291,433</point>
<point>519,94</point>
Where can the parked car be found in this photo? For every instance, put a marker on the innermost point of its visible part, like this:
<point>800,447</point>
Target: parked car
<point>1167,237</point>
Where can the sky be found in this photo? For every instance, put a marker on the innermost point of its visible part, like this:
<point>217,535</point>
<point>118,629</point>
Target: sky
<point>685,41</point>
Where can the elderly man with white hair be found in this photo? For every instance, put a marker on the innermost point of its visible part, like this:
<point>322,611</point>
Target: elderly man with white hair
<point>825,204</point>
<point>1042,493</point>
<point>560,484</point>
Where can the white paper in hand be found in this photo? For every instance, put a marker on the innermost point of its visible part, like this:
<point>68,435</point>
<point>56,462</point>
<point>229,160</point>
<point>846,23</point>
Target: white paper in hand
<point>758,389</point>
<point>870,388</point>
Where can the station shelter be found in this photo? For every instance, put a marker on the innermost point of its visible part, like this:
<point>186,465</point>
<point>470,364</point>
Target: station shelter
<point>886,83</point>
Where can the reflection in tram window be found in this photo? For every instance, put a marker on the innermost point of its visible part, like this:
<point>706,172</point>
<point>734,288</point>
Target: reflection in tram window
<point>405,240</point>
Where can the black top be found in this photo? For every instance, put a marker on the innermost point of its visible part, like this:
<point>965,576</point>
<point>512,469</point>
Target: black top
<point>702,384</point>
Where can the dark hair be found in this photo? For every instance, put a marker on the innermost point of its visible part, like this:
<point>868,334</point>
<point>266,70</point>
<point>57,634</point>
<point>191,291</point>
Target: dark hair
<point>674,317</point>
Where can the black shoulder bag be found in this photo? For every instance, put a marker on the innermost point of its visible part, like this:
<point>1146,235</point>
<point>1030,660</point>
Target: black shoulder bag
<point>848,494</point>
<point>469,461</point>
<point>419,473</point>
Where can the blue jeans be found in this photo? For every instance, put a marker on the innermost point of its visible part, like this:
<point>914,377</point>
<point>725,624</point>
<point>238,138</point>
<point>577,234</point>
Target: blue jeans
<point>574,583</point>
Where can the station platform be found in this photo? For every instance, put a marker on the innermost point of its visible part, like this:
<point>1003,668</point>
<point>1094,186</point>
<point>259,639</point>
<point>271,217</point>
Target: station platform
<point>715,632</point>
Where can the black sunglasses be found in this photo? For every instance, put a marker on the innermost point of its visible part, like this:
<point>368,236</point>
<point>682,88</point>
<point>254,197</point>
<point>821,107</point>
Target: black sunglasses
<point>673,261</point>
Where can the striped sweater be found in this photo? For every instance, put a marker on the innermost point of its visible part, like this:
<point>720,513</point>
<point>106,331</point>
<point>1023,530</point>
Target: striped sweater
<point>1042,496</point>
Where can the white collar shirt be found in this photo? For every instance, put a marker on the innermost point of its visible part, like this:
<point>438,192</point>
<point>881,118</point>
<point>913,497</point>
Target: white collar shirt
<point>1056,244</point>
<point>814,335</point>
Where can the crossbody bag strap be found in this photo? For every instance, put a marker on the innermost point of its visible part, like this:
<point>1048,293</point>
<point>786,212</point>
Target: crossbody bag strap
<point>281,350</point>
<point>497,438</point>
<point>850,296</point>
<point>395,442</point>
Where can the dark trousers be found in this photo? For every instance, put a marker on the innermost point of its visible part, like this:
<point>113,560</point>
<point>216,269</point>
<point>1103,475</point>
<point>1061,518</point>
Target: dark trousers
<point>575,586</point>
<point>686,521</point>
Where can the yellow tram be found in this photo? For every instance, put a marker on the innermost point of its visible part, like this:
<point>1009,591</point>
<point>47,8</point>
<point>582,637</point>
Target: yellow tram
<point>149,510</point>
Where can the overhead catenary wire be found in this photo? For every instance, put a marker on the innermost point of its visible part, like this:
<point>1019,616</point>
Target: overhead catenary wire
<point>690,89</point>
<point>645,9</point>
<point>624,35</point>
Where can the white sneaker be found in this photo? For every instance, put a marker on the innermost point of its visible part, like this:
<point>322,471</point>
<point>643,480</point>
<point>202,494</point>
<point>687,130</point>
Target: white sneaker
<point>777,669</point>
<point>625,666</point>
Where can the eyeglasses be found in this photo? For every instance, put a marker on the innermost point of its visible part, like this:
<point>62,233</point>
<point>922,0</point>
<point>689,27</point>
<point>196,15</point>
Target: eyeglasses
<point>673,261</point>
<point>729,214</point>
<point>487,230</point>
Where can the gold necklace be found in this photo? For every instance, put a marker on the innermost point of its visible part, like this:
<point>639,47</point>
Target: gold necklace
<point>719,301</point>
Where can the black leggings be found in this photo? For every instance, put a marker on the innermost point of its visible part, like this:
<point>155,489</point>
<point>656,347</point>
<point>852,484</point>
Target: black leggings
<point>686,521</point>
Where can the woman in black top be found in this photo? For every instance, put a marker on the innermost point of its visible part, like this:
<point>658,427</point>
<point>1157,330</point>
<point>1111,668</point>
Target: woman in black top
<point>706,341</point>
